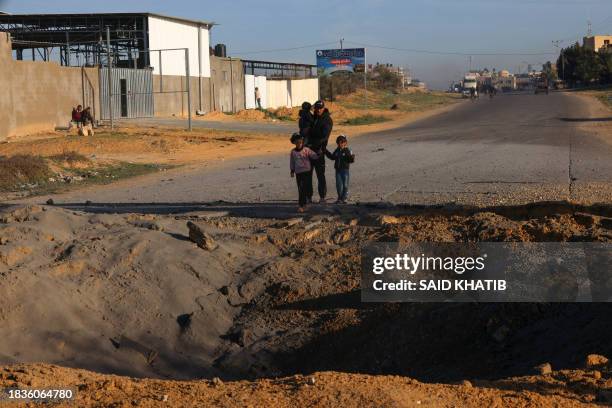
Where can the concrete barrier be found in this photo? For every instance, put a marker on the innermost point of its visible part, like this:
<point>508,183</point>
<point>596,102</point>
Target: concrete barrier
<point>39,96</point>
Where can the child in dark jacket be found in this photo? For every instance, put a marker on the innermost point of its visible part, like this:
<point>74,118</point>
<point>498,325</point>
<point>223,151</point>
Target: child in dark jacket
<point>342,157</point>
<point>301,168</point>
<point>306,119</point>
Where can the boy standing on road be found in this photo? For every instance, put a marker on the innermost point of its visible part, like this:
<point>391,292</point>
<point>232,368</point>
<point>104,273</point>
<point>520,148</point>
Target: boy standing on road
<point>343,157</point>
<point>301,168</point>
<point>318,137</point>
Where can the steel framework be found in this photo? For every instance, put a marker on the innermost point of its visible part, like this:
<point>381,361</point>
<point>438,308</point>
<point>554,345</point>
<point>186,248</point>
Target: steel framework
<point>279,70</point>
<point>80,39</point>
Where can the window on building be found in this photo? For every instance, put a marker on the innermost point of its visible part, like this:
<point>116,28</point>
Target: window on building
<point>225,75</point>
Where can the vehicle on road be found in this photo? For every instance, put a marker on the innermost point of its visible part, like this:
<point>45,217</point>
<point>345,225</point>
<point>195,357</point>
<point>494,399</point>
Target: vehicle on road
<point>470,86</point>
<point>542,85</point>
<point>559,84</point>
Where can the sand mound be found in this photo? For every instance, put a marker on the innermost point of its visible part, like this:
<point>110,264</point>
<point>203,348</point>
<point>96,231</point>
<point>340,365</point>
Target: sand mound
<point>329,389</point>
<point>215,115</point>
<point>126,294</point>
<point>251,115</point>
<point>293,113</point>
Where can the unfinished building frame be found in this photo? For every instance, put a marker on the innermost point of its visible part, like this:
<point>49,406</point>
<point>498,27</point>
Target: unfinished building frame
<point>80,40</point>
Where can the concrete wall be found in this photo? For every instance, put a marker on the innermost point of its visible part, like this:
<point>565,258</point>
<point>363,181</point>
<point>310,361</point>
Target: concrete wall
<point>6,98</point>
<point>304,90</point>
<point>227,81</point>
<point>170,98</point>
<point>278,93</point>
<point>215,93</point>
<point>291,93</point>
<point>39,96</point>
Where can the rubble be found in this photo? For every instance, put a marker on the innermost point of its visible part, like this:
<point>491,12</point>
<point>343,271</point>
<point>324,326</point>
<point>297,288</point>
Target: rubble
<point>200,237</point>
<point>595,361</point>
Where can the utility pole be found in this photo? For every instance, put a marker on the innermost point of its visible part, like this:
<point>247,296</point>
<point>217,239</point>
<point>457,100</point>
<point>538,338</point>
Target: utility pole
<point>110,77</point>
<point>188,86</point>
<point>342,43</point>
<point>590,28</point>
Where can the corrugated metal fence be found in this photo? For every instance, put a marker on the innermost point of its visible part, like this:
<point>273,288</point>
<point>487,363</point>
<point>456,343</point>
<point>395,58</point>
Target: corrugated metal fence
<point>132,93</point>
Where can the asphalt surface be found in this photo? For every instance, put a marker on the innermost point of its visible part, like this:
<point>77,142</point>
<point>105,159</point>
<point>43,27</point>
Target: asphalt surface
<point>513,149</point>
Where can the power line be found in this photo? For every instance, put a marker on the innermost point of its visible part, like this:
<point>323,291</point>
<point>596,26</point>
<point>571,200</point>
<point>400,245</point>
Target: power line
<point>285,49</point>
<point>463,54</point>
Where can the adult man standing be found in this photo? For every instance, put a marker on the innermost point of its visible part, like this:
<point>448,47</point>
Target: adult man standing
<point>258,98</point>
<point>318,137</point>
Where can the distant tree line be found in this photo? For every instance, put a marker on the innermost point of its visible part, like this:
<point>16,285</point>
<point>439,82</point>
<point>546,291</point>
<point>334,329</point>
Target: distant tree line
<point>343,83</point>
<point>578,65</point>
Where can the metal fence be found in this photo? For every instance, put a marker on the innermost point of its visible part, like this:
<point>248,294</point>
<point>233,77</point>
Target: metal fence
<point>131,93</point>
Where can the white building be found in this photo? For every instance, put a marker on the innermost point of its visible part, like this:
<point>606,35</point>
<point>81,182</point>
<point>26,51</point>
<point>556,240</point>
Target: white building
<point>168,33</point>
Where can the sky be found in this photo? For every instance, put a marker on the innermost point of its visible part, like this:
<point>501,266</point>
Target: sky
<point>439,26</point>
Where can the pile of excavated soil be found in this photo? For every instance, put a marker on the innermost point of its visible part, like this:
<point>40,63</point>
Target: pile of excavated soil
<point>577,388</point>
<point>215,115</point>
<point>132,294</point>
<point>251,115</point>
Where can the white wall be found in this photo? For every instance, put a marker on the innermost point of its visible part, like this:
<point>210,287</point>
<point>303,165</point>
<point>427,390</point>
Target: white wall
<point>169,34</point>
<point>249,91</point>
<point>280,93</point>
<point>304,90</point>
<point>291,93</point>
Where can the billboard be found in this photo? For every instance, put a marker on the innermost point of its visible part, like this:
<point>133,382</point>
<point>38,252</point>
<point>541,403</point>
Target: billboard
<point>341,60</point>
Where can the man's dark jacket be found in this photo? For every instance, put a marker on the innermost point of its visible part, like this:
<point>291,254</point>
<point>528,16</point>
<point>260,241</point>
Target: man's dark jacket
<point>319,133</point>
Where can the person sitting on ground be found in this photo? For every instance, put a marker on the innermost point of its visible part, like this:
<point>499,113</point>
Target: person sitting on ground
<point>342,157</point>
<point>87,122</point>
<point>76,117</point>
<point>301,168</point>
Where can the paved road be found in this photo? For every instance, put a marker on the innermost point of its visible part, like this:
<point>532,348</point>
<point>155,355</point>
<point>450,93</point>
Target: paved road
<point>263,127</point>
<point>513,149</point>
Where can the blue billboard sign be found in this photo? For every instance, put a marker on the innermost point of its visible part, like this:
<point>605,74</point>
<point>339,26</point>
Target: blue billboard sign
<point>341,60</point>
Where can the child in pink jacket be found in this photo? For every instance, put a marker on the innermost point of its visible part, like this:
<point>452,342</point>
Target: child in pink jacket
<point>301,168</point>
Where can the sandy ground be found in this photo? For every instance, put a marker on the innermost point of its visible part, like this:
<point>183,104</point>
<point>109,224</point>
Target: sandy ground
<point>600,117</point>
<point>164,145</point>
<point>329,389</point>
<point>270,314</point>
<point>273,297</point>
<point>150,145</point>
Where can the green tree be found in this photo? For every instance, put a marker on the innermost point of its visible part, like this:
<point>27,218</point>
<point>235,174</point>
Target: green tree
<point>606,64</point>
<point>579,65</point>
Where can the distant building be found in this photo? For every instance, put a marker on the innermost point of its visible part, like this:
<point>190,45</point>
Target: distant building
<point>418,84</point>
<point>525,81</point>
<point>598,43</point>
<point>506,83</point>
